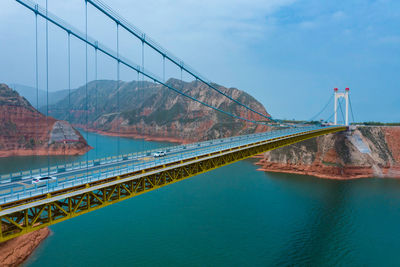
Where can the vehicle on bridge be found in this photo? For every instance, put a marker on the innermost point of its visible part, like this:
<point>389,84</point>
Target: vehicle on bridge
<point>326,124</point>
<point>43,180</point>
<point>159,154</point>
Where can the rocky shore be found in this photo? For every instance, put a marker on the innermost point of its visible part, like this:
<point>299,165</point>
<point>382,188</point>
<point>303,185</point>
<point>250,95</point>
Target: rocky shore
<point>365,151</point>
<point>15,251</point>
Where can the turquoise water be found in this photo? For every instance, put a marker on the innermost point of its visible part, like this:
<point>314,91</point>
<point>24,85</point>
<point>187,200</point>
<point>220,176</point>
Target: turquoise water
<point>236,216</point>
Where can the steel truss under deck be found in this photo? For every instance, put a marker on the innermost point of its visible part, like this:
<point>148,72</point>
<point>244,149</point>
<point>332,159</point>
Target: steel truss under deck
<point>27,215</point>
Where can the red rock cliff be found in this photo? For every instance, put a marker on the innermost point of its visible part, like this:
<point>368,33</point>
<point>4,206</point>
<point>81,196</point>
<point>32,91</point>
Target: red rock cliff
<point>363,152</point>
<point>25,131</point>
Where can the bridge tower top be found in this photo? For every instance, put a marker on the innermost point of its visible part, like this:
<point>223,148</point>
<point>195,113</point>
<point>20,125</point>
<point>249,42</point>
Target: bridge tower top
<point>344,95</point>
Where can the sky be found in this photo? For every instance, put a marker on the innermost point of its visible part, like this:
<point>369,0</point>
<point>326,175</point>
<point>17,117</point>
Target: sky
<point>288,54</point>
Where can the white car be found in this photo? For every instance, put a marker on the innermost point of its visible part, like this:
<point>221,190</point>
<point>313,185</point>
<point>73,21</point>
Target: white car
<point>159,154</point>
<point>43,180</point>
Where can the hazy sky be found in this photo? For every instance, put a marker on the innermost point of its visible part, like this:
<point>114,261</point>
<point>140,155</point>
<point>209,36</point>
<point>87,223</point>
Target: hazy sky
<point>289,54</point>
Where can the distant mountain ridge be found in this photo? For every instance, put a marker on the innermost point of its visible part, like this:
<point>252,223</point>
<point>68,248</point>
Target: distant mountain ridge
<point>153,111</point>
<point>33,95</point>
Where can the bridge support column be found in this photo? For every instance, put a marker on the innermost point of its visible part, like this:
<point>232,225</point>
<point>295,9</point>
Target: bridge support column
<point>344,95</point>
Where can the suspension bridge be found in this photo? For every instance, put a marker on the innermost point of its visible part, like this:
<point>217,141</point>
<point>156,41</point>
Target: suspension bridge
<point>82,187</point>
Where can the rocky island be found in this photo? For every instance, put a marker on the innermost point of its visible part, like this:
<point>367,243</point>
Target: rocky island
<point>25,131</point>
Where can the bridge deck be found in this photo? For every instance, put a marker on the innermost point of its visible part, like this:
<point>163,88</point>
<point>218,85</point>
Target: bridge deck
<point>82,190</point>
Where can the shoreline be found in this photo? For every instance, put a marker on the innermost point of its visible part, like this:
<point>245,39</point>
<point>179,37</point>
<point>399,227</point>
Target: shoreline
<point>316,175</point>
<point>329,177</point>
<point>392,172</point>
<point>43,152</point>
<point>16,251</point>
<point>137,136</point>
<point>145,137</point>
<point>281,169</point>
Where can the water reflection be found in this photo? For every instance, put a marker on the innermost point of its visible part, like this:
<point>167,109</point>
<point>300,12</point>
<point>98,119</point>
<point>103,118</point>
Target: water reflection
<point>326,227</point>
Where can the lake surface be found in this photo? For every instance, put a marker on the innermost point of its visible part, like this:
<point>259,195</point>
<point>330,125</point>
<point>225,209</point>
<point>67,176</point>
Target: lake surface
<point>232,216</point>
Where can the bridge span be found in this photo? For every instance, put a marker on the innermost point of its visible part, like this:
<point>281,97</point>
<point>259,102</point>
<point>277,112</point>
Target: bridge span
<point>96,184</point>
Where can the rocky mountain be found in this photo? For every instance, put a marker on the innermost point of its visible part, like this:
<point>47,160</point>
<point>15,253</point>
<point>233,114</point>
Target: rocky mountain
<point>147,109</point>
<point>365,151</point>
<point>25,131</point>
